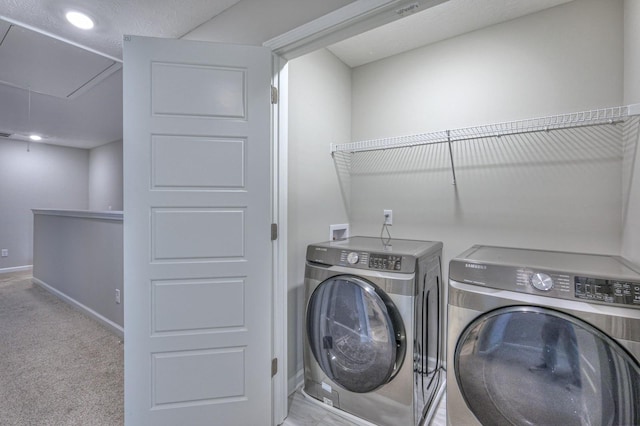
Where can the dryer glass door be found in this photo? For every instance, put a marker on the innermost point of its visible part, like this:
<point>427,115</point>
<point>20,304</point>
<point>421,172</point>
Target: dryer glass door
<point>355,333</point>
<point>528,365</point>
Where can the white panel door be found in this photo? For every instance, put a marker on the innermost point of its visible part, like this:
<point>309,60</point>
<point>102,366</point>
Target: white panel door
<point>197,248</point>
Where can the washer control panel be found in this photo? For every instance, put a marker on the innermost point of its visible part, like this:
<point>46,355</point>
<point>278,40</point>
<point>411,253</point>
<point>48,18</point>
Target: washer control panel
<point>387,262</point>
<point>545,282</point>
<point>374,261</point>
<point>542,281</point>
<point>354,258</point>
<point>609,291</point>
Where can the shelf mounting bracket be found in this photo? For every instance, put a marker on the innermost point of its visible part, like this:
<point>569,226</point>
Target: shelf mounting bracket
<point>453,168</point>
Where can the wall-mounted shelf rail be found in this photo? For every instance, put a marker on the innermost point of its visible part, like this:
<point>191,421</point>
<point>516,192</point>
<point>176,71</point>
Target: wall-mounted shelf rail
<point>612,115</point>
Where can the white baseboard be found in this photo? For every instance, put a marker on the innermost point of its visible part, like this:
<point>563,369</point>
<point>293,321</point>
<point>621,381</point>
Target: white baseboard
<point>117,329</point>
<point>296,381</point>
<point>16,269</point>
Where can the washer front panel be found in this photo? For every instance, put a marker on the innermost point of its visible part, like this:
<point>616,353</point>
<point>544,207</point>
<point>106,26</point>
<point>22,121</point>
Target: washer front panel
<point>355,333</point>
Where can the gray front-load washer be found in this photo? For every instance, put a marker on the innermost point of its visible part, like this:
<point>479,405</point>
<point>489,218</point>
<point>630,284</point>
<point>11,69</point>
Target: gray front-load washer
<point>374,344</point>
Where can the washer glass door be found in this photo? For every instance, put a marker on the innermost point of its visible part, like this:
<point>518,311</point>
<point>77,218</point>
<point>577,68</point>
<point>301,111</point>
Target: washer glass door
<point>355,333</point>
<point>527,365</point>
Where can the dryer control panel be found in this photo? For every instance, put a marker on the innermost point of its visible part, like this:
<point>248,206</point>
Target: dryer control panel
<point>593,278</point>
<point>610,291</point>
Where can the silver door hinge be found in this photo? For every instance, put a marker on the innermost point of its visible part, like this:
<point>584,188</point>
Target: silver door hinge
<point>274,231</point>
<point>274,95</point>
<point>274,367</point>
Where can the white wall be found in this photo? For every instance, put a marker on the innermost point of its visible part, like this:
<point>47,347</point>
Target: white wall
<point>46,177</point>
<point>563,59</point>
<point>631,183</point>
<point>319,113</point>
<point>105,177</point>
<point>551,191</point>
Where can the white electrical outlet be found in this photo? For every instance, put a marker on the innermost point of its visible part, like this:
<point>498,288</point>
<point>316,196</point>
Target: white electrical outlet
<point>117,295</point>
<point>5,252</point>
<point>388,217</point>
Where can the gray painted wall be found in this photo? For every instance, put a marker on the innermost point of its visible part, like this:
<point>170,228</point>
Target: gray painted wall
<point>105,177</point>
<point>46,177</point>
<point>631,182</point>
<point>319,113</point>
<point>559,191</point>
<point>81,257</point>
<point>556,191</point>
<point>49,176</point>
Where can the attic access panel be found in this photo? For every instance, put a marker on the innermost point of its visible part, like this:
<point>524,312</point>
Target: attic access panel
<point>43,64</point>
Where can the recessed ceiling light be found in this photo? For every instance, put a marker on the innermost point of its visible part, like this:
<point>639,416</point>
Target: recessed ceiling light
<point>80,20</point>
<point>35,137</point>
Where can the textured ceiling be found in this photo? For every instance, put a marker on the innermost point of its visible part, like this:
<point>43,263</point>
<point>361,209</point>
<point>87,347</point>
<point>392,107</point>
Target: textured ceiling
<point>443,21</point>
<point>113,18</point>
<point>95,117</point>
<point>69,70</point>
<point>87,121</point>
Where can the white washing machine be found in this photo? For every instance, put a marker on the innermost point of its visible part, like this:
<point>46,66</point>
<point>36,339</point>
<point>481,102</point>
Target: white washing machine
<point>543,338</point>
<point>374,328</point>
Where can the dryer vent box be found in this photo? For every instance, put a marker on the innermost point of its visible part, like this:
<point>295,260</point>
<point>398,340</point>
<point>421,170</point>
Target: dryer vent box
<point>338,232</point>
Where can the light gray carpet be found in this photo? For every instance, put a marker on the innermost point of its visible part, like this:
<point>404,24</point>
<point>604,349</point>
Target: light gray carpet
<point>57,366</point>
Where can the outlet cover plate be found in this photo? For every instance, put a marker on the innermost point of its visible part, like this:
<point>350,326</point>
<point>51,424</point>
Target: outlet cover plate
<point>338,231</point>
<point>388,217</point>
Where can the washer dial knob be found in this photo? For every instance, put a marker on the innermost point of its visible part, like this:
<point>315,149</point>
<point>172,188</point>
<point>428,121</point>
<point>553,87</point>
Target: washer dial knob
<point>353,258</point>
<point>542,281</point>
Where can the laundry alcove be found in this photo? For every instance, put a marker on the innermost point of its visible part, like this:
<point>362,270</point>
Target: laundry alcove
<point>554,189</point>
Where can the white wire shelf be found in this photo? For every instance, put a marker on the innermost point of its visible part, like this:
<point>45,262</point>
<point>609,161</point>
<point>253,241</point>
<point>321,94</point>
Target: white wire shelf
<point>595,117</point>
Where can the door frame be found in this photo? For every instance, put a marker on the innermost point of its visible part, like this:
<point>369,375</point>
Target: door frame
<point>280,175</point>
<point>348,21</point>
